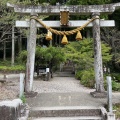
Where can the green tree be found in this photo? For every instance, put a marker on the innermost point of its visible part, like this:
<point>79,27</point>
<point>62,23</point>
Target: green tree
<point>82,55</point>
<point>7,20</point>
<point>88,2</point>
<point>46,57</point>
<point>54,56</point>
<point>111,36</point>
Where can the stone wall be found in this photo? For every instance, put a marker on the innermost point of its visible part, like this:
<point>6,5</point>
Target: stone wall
<point>10,110</point>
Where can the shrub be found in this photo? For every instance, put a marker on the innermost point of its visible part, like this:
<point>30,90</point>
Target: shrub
<point>116,77</point>
<point>5,62</point>
<point>86,77</point>
<point>12,68</point>
<point>22,58</point>
<point>115,85</point>
<point>23,98</point>
<point>78,75</point>
<point>117,108</point>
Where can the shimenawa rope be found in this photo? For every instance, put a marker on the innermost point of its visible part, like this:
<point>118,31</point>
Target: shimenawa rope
<point>63,32</point>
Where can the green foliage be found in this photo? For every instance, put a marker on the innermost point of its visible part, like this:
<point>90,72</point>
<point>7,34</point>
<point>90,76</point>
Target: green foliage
<point>5,63</point>
<point>82,54</point>
<point>23,98</point>
<point>88,2</point>
<point>115,77</point>
<point>117,108</point>
<point>12,68</point>
<point>22,57</point>
<point>36,2</point>
<point>45,56</point>
<point>7,19</point>
<point>86,77</point>
<point>3,2</point>
<point>115,86</point>
<point>106,56</point>
<point>40,55</point>
<point>49,55</point>
<point>115,81</point>
<point>5,66</point>
<point>7,15</point>
<point>79,74</point>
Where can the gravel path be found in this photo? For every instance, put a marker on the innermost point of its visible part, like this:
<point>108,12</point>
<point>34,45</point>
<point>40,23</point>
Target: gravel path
<point>10,90</point>
<point>59,85</point>
<point>60,90</point>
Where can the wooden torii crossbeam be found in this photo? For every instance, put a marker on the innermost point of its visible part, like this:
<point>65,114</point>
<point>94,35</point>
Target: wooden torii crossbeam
<point>94,10</point>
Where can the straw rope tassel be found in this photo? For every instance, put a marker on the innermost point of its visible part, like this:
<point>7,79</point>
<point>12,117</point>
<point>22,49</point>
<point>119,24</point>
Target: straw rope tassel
<point>64,40</point>
<point>78,36</point>
<point>49,35</point>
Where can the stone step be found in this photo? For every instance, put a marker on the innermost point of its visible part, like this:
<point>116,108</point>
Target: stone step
<point>65,111</point>
<point>67,118</point>
<point>64,74</point>
<point>67,69</point>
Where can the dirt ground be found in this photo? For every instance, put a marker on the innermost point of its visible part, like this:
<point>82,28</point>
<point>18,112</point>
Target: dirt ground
<point>9,90</point>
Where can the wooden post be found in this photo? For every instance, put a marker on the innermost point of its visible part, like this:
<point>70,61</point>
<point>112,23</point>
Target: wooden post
<point>13,47</point>
<point>97,54</point>
<point>31,55</point>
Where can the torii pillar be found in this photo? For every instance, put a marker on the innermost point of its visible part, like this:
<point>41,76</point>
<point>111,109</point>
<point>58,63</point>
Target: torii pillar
<point>98,57</point>
<point>31,55</point>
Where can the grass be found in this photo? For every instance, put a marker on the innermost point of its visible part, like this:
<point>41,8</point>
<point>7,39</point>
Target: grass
<point>12,68</point>
<point>5,66</point>
<point>117,108</point>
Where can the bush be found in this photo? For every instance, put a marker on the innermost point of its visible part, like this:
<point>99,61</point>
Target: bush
<point>115,85</point>
<point>12,68</point>
<point>23,98</point>
<point>86,78</point>
<point>117,108</point>
<point>5,63</point>
<point>78,75</point>
<point>116,77</point>
<point>22,58</point>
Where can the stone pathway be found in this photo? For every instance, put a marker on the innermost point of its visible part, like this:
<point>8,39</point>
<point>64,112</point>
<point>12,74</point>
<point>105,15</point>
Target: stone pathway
<point>59,91</point>
<point>59,85</point>
<point>65,91</point>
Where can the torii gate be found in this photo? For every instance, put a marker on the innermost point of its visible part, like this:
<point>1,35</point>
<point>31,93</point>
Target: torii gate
<point>94,10</point>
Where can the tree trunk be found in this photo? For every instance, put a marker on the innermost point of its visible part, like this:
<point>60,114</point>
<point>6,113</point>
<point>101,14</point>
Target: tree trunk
<point>13,47</point>
<point>4,54</point>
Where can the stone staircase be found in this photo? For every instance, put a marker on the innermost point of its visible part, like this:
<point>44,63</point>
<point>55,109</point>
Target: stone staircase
<point>67,113</point>
<point>64,74</point>
<point>66,71</point>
